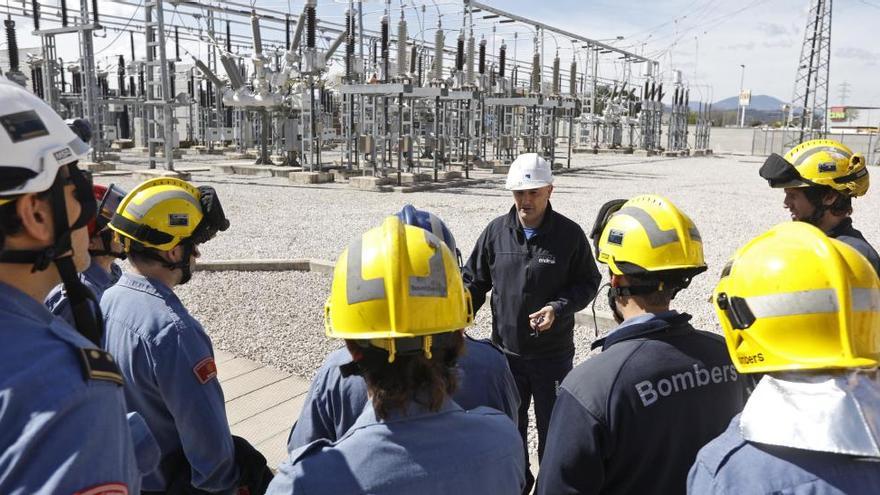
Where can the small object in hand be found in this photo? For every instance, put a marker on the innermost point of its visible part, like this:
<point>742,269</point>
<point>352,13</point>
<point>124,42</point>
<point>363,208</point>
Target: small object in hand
<point>535,323</point>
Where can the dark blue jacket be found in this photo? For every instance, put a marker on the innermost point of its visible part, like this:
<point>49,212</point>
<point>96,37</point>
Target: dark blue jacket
<point>555,267</point>
<point>846,233</point>
<point>631,419</point>
<point>731,465</point>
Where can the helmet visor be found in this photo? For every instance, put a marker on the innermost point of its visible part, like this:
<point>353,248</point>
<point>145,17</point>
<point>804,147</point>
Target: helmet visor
<point>779,173</point>
<point>109,204</point>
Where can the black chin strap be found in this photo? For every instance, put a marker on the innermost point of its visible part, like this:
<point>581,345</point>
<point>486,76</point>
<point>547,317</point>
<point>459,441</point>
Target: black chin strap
<point>107,243</point>
<point>183,264</point>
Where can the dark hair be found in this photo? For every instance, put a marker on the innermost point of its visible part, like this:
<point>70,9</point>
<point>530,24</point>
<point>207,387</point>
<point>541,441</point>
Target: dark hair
<point>842,205</point>
<point>411,377</point>
<point>671,281</point>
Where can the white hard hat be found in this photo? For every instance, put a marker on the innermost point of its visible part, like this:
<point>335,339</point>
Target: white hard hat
<point>35,142</point>
<point>529,171</point>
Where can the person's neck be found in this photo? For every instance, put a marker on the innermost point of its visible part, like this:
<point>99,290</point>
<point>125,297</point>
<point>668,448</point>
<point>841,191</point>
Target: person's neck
<point>533,225</point>
<point>36,285</point>
<point>632,309</point>
<point>830,221</point>
<point>170,278</point>
<point>105,262</point>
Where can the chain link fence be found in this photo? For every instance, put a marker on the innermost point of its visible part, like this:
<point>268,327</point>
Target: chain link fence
<point>767,141</point>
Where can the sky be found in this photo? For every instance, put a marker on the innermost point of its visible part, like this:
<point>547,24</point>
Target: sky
<point>707,40</point>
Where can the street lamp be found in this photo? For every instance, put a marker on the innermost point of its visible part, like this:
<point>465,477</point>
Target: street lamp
<point>742,78</point>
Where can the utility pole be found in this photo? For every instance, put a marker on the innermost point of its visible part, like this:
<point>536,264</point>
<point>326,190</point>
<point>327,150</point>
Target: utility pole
<point>844,92</point>
<point>742,79</point>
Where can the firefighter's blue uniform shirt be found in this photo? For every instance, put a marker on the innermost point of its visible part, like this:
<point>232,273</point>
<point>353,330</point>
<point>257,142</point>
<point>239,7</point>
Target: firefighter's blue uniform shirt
<point>334,402</point>
<point>845,232</point>
<point>451,451</point>
<point>167,360</point>
<point>94,277</point>
<point>632,418</point>
<point>63,429</point>
<point>731,465</point>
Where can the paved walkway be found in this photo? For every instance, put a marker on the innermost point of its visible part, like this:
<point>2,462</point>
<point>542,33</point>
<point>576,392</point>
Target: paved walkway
<point>262,403</point>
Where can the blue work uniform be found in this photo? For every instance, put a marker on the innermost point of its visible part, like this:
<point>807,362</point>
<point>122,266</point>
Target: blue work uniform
<point>63,425</point>
<point>731,465</point>
<point>845,232</point>
<point>632,418</point>
<point>94,277</point>
<point>168,363</point>
<point>334,402</point>
<point>417,452</point>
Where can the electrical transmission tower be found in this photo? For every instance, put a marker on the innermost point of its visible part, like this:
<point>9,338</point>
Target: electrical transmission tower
<point>844,92</point>
<point>811,83</point>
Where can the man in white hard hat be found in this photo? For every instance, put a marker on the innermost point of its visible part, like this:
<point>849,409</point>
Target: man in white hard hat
<point>541,272</point>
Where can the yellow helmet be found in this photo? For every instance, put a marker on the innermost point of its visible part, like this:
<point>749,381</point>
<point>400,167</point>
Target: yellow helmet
<point>795,299</point>
<point>819,162</point>
<point>397,281</point>
<point>647,234</point>
<point>161,213</point>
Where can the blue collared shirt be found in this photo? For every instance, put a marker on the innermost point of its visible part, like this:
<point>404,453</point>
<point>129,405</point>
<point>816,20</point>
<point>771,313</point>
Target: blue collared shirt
<point>334,402</point>
<point>59,432</point>
<point>168,363</point>
<point>420,452</point>
<point>95,278</point>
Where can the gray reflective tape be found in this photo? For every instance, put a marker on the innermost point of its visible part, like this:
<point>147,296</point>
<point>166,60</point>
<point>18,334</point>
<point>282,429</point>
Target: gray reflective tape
<point>140,210</point>
<point>866,299</point>
<point>695,234</point>
<point>436,227</point>
<point>830,149</point>
<point>78,146</point>
<point>434,285</point>
<point>356,288</point>
<point>656,236</point>
<point>794,303</point>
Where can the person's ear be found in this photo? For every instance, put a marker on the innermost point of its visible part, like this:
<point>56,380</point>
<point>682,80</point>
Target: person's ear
<point>36,217</point>
<point>829,198</point>
<point>175,254</point>
<point>615,280</point>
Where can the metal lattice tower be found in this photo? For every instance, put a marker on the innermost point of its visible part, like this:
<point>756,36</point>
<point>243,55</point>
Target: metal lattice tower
<point>158,107</point>
<point>811,83</point>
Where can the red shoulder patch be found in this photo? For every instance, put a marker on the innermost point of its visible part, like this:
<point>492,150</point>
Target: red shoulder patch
<point>205,370</point>
<point>105,489</point>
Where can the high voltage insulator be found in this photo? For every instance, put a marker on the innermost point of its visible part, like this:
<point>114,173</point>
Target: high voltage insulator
<point>469,61</point>
<point>572,79</point>
<point>255,29</point>
<point>556,79</point>
<point>287,29</point>
<point>35,7</point>
<point>95,19</point>
<point>421,68</point>
<point>502,59</point>
<point>63,81</point>
<point>349,45</point>
<point>120,74</point>
<point>482,58</point>
<point>536,73</point>
<point>228,40</point>
<point>401,47</point>
<point>438,53</point>
<point>412,59</point>
<point>11,44</point>
<point>383,39</point>
<point>310,24</point>
<point>176,43</point>
<point>37,78</point>
<point>459,53</point>
<point>64,13</point>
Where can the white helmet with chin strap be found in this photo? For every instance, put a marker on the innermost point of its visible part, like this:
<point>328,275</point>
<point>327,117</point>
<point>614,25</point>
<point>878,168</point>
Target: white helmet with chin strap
<point>36,145</point>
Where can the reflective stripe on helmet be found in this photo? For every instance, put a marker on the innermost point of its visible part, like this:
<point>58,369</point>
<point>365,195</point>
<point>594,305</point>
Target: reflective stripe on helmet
<point>433,285</point>
<point>356,288</point>
<point>656,236</point>
<point>141,210</point>
<point>828,149</point>
<point>811,302</point>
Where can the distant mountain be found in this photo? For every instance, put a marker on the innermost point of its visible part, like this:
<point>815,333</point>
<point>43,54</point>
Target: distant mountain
<point>759,102</point>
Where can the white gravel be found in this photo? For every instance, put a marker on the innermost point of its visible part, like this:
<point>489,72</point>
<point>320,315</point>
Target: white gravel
<point>276,318</point>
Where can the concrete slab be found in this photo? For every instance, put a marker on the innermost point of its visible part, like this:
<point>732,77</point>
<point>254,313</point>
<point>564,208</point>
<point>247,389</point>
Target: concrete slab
<point>644,152</point>
<point>122,144</point>
<point>254,265</point>
<point>500,169</point>
<point>407,178</point>
<point>311,177</point>
<point>114,173</point>
<point>281,171</point>
<point>250,382</point>
<point>236,367</point>
<point>254,403</point>
<point>97,167</point>
<point>148,174</point>
<point>448,175</point>
<point>270,422</point>
<point>191,170</point>
<point>369,183</point>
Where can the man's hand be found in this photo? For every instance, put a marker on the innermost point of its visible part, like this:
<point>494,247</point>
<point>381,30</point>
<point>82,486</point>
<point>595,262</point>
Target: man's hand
<point>542,319</point>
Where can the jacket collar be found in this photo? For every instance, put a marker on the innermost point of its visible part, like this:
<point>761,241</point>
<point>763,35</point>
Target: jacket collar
<point>98,277</point>
<point>642,326</point>
<point>414,410</point>
<point>512,220</point>
<point>145,284</point>
<point>844,228</point>
<point>17,302</point>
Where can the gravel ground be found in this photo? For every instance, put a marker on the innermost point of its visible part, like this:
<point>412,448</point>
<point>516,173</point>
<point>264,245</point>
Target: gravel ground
<point>276,318</point>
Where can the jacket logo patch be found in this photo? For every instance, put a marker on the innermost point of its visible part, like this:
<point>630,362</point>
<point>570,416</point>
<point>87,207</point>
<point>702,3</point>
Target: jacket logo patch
<point>828,167</point>
<point>105,489</point>
<point>547,260</point>
<point>615,237</point>
<point>205,370</point>
<point>178,219</point>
